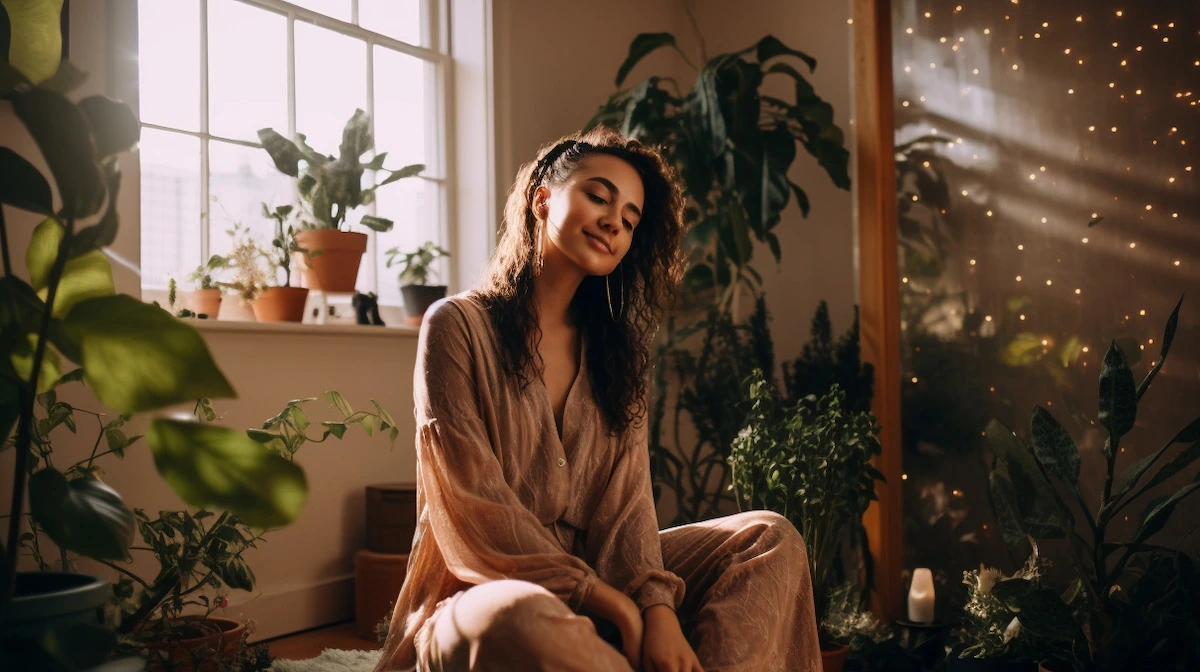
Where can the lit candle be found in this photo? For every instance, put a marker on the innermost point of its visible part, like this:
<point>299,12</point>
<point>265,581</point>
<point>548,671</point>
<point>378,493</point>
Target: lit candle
<point>920,596</point>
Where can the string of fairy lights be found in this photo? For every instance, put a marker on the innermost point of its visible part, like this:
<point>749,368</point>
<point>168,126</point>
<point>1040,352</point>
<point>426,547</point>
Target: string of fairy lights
<point>1109,59</point>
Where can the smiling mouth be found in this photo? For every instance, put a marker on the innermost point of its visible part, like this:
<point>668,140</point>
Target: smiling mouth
<point>599,240</point>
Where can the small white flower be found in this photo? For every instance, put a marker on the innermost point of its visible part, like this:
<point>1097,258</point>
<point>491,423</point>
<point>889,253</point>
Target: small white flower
<point>1013,629</point>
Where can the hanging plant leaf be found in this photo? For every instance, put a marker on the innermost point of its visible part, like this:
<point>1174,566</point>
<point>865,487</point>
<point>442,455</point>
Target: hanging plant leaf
<point>83,515</point>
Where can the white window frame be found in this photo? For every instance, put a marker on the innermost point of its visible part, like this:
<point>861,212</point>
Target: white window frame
<point>435,31</point>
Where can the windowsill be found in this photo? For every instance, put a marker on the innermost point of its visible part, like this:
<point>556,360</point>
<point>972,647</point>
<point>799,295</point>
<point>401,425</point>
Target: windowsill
<point>238,327</point>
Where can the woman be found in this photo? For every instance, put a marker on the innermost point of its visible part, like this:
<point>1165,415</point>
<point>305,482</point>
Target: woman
<point>536,529</point>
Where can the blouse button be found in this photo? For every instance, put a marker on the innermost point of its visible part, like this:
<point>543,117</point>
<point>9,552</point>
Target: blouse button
<point>562,461</point>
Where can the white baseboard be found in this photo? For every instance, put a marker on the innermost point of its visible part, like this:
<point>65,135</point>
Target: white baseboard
<point>300,608</point>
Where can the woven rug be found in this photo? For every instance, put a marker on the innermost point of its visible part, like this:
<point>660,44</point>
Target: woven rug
<point>331,660</point>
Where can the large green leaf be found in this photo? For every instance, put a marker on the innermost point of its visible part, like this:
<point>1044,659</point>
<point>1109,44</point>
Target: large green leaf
<point>42,251</point>
<point>770,46</point>
<point>641,46</point>
<point>34,41</point>
<point>23,185</point>
<point>216,467</point>
<point>1158,512</point>
<point>114,126</point>
<point>407,171</point>
<point>104,232</point>
<point>84,277</point>
<point>1054,447</point>
<point>1004,502</point>
<point>377,223</point>
<point>1183,460</point>
<point>705,109</point>
<point>83,515</point>
<point>1168,336</point>
<point>356,137</point>
<point>1118,395</point>
<point>136,357</point>
<point>1134,472</point>
<point>284,152</point>
<point>61,131</point>
<point>23,351</point>
<point>1042,515</point>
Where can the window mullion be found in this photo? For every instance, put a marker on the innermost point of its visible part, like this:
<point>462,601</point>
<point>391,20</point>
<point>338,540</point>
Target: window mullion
<point>373,236</point>
<point>205,200</point>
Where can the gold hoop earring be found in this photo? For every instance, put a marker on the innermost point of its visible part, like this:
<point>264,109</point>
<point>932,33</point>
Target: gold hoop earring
<point>616,317</point>
<point>538,258</point>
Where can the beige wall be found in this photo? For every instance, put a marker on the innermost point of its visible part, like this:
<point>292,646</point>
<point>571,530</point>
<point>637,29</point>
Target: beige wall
<point>554,62</point>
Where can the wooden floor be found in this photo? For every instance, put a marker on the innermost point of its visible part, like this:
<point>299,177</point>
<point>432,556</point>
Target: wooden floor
<point>311,643</point>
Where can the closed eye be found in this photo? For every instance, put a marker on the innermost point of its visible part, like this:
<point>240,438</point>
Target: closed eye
<point>596,198</point>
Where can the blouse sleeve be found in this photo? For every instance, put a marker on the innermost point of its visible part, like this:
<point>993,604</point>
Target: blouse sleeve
<point>482,528</point>
<point>622,538</point>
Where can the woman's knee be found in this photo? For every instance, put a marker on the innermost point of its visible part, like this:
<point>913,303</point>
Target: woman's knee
<point>778,533</point>
<point>505,611</point>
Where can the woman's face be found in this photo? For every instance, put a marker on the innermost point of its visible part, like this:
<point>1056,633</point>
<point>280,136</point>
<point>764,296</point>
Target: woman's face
<point>591,216</point>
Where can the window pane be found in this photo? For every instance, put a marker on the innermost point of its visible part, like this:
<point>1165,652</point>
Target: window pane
<point>415,206</point>
<point>169,63</point>
<point>247,70</point>
<point>404,98</point>
<point>338,9</point>
<point>331,82</point>
<point>240,180</point>
<point>400,19</point>
<point>170,219</point>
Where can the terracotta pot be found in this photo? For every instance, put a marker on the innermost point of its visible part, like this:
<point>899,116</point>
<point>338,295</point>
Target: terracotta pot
<point>280,304</point>
<point>197,654</point>
<point>336,268</point>
<point>418,298</point>
<point>833,658</point>
<point>205,302</point>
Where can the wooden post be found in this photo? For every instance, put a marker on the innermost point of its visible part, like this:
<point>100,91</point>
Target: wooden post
<point>879,294</point>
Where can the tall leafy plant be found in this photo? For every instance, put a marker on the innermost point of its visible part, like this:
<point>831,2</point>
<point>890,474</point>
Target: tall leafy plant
<point>1138,599</point>
<point>809,460</point>
<point>732,145</point>
<point>66,322</point>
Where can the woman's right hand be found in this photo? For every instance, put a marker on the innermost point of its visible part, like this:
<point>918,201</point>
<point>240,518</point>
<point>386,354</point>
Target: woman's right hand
<point>614,606</point>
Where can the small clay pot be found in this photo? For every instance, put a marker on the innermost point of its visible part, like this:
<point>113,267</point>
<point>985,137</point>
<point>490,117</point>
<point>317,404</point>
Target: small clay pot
<point>335,269</point>
<point>205,302</point>
<point>280,304</point>
<point>833,657</point>
<point>197,654</point>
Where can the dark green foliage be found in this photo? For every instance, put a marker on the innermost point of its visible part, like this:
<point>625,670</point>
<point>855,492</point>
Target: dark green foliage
<point>823,363</point>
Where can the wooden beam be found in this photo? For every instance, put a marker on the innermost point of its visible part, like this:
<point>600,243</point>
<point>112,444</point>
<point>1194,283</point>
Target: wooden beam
<point>879,294</point>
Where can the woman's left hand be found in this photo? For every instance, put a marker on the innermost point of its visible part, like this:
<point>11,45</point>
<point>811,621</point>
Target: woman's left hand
<point>664,648</point>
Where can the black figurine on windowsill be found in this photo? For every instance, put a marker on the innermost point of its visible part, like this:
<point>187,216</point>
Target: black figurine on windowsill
<point>366,309</point>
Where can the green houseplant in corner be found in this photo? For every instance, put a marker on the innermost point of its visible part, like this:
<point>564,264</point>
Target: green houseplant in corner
<point>63,321</point>
<point>1137,601</point>
<point>416,268</point>
<point>330,187</point>
<point>809,460</point>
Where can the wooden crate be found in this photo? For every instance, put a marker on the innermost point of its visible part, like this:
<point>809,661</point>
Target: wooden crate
<point>391,517</point>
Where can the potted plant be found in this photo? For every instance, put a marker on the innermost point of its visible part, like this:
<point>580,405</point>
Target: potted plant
<point>1135,599</point>
<point>1012,623</point>
<point>810,461</point>
<point>330,187</point>
<point>204,299</point>
<point>282,302</point>
<point>416,268</point>
<point>63,322</point>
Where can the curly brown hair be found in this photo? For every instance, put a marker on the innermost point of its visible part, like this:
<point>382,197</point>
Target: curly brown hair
<point>618,352</point>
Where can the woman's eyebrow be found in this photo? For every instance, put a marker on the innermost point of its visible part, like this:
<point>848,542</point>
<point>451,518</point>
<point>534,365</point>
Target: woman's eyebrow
<point>613,188</point>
